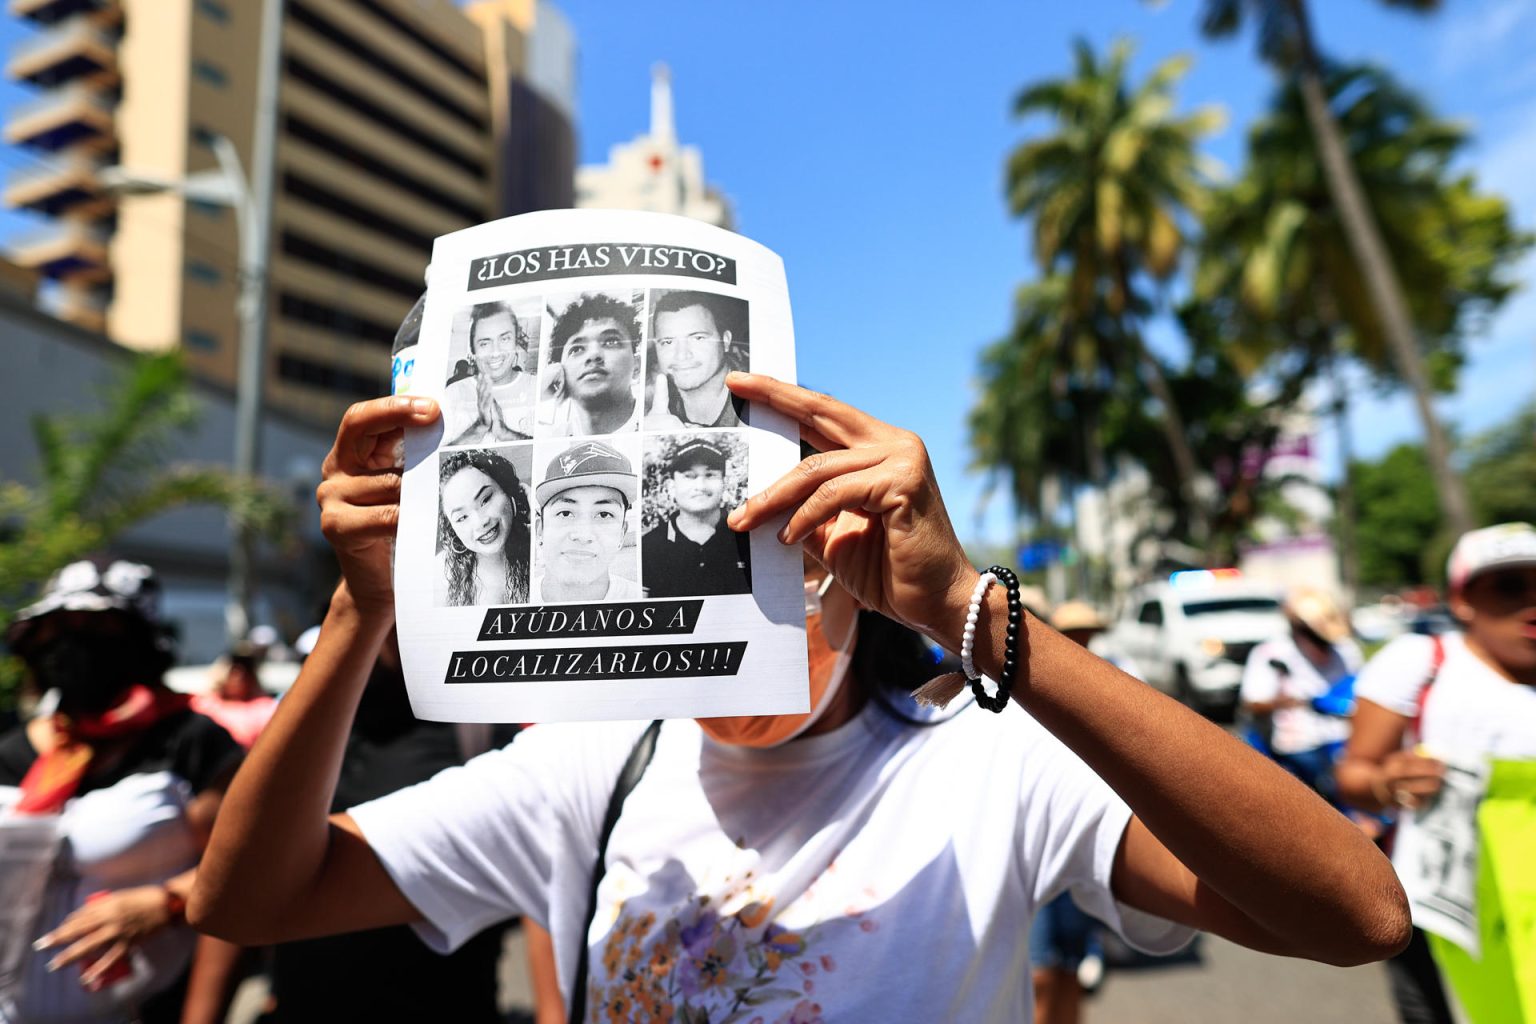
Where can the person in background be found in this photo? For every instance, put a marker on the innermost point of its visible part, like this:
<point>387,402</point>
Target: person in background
<point>1081,623</point>
<point>1289,681</point>
<point>238,702</point>
<point>1423,700</point>
<point>133,779</point>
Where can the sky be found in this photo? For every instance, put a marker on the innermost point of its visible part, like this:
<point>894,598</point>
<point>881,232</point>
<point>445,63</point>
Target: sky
<point>864,142</point>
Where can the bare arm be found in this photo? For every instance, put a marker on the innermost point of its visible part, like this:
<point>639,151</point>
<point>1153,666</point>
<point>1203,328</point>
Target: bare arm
<point>278,866</point>
<point>1223,839</point>
<point>211,980</point>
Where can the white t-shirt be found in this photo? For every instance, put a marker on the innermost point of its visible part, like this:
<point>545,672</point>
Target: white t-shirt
<point>559,419</point>
<point>134,832</point>
<point>619,589</point>
<point>879,872</point>
<point>1298,729</point>
<point>1472,711</point>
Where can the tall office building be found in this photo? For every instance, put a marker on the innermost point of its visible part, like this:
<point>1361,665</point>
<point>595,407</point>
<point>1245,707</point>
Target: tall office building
<point>398,120</point>
<point>653,172</point>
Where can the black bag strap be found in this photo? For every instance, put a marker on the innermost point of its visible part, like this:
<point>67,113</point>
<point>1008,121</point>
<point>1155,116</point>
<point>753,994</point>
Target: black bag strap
<point>629,777</point>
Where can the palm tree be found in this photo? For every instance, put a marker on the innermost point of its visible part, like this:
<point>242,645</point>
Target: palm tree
<point>1286,41</point>
<point>1278,267</point>
<point>101,473</point>
<point>1107,192</point>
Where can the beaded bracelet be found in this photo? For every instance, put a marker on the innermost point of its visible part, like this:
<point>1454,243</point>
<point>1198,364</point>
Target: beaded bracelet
<point>940,690</point>
<point>996,702</point>
<point>968,639</point>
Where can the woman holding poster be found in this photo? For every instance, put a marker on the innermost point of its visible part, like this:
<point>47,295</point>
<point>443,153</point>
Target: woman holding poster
<point>796,864</point>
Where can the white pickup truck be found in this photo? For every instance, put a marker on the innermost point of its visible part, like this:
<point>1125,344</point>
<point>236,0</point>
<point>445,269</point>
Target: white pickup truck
<point>1191,635</point>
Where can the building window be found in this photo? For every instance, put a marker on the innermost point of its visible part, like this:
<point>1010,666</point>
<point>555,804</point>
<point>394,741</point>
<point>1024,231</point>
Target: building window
<point>203,135</point>
<point>330,378</point>
<point>206,273</point>
<point>214,11</point>
<point>212,211</point>
<point>210,73</point>
<point>202,341</point>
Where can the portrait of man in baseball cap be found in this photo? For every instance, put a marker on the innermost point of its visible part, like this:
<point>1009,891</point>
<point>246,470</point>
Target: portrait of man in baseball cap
<point>584,502</point>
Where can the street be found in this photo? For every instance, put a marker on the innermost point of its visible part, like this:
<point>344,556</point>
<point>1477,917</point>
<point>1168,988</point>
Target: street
<point>1218,984</point>
<point>1227,983</point>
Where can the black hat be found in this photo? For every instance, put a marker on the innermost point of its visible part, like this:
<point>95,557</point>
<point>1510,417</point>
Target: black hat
<point>695,453</point>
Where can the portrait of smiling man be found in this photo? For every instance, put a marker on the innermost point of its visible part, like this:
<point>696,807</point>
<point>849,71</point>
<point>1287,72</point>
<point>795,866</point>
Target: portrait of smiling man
<point>593,373</point>
<point>495,402</point>
<point>583,522</point>
<point>692,552</point>
<point>700,337</point>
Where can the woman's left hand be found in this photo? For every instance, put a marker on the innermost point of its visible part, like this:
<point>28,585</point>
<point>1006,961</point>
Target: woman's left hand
<point>867,507</point>
<point>104,930</point>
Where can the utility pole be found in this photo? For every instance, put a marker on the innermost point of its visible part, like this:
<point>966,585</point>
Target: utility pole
<point>255,214</point>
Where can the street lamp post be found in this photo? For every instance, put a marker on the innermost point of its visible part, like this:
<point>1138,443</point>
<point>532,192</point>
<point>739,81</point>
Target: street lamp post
<point>251,199</point>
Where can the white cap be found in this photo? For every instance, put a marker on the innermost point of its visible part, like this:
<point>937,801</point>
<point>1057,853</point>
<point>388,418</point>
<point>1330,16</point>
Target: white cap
<point>1506,546</point>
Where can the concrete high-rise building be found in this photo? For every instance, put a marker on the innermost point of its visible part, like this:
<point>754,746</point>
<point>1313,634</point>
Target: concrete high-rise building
<point>399,120</point>
<point>654,172</point>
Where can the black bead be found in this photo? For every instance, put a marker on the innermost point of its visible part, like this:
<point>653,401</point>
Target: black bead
<point>1015,616</point>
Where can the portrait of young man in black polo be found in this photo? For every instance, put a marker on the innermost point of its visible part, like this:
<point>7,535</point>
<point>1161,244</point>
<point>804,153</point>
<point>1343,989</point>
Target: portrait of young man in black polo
<point>692,552</point>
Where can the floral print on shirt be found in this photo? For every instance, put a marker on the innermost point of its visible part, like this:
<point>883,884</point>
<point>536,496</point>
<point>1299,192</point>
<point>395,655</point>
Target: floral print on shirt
<point>704,967</point>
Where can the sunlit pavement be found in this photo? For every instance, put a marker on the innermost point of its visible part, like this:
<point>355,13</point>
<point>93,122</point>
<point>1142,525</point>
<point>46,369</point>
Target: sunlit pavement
<point>1222,983</point>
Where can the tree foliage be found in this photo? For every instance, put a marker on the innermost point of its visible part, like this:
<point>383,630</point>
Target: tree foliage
<point>1108,189</point>
<point>101,472</point>
<point>1276,258</point>
<point>1401,541</point>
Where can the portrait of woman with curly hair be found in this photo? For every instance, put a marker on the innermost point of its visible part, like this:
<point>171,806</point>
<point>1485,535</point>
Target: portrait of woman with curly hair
<point>483,537</point>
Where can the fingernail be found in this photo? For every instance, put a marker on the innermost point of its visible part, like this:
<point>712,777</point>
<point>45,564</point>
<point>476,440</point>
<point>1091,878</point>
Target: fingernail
<point>784,534</point>
<point>421,406</point>
<point>53,965</point>
<point>734,518</point>
<point>42,943</point>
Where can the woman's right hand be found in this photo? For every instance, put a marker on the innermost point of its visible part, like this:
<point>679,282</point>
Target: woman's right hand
<point>359,493</point>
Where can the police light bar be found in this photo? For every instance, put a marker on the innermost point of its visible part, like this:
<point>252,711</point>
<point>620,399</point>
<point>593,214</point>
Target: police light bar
<point>1202,577</point>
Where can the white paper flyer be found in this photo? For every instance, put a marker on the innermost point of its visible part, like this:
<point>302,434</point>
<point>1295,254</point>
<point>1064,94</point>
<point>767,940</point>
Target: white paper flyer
<point>562,552</point>
<point>1436,855</point>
